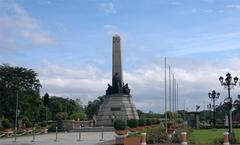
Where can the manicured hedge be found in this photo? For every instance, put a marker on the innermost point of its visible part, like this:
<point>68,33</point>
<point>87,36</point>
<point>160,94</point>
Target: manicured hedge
<point>141,122</point>
<point>119,124</point>
<point>6,124</point>
<point>148,122</point>
<point>132,123</point>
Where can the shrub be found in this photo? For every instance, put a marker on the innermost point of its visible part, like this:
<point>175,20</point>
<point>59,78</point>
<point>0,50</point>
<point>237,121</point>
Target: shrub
<point>43,124</point>
<point>156,135</point>
<point>236,125</point>
<point>132,123</point>
<point>52,128</point>
<point>25,119</point>
<point>6,124</point>
<point>148,122</point>
<point>134,134</point>
<point>233,139</point>
<point>205,126</point>
<point>179,120</point>
<point>169,124</point>
<point>142,122</point>
<point>155,121</point>
<point>78,115</point>
<point>61,116</point>
<point>119,124</point>
<point>28,124</point>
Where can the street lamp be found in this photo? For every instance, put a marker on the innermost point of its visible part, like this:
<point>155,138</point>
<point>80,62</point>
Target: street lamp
<point>214,96</point>
<point>16,118</point>
<point>209,106</point>
<point>228,84</point>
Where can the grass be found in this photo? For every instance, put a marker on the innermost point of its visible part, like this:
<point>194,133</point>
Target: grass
<point>206,136</point>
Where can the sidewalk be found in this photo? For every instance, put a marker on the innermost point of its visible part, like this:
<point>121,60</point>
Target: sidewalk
<point>87,138</point>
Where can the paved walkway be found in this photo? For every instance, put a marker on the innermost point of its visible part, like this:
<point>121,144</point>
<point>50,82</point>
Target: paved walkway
<point>87,138</point>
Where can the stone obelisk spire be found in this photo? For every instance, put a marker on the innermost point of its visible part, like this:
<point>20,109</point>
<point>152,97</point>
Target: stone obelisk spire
<point>117,100</point>
<point>116,58</point>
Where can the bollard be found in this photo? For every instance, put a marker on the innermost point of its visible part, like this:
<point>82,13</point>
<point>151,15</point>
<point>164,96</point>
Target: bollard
<point>33,134</point>
<point>225,138</point>
<point>102,135</point>
<point>79,137</point>
<point>56,134</point>
<point>15,135</point>
<point>143,139</point>
<point>184,138</point>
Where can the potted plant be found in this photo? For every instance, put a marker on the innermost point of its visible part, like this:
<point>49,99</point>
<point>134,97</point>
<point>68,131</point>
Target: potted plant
<point>120,126</point>
<point>133,138</point>
<point>44,126</point>
<point>120,131</point>
<point>132,124</point>
<point>7,127</point>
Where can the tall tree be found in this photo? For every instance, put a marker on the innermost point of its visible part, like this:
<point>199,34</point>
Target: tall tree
<point>93,107</point>
<point>46,100</point>
<point>26,83</point>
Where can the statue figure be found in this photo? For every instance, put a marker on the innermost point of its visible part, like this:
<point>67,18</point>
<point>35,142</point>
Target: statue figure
<point>109,90</point>
<point>117,85</point>
<point>126,90</point>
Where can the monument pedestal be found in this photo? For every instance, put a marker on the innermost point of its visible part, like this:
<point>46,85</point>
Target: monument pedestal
<point>116,106</point>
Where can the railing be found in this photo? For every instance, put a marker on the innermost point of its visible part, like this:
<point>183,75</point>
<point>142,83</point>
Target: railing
<point>55,138</point>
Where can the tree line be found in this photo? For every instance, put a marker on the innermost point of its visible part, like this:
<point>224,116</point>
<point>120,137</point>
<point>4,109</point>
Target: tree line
<point>24,84</point>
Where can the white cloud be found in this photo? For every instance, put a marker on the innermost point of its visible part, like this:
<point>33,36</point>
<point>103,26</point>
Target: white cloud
<point>108,26</point>
<point>111,29</point>
<point>108,7</point>
<point>175,3</point>
<point>207,42</point>
<point>236,6</point>
<point>195,78</point>
<point>45,2</point>
<point>19,30</point>
<point>87,82</point>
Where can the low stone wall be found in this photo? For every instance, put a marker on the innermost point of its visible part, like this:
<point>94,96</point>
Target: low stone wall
<point>94,129</point>
<point>72,124</point>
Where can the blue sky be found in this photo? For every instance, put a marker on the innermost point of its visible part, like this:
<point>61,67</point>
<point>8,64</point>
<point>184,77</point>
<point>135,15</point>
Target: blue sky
<point>68,42</point>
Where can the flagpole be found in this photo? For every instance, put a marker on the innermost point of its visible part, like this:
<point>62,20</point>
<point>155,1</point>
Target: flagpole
<point>166,93</point>
<point>177,97</point>
<point>173,93</point>
<point>170,99</point>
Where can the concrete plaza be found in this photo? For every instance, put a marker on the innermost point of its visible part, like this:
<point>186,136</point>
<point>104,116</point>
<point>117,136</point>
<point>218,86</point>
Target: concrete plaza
<point>87,138</point>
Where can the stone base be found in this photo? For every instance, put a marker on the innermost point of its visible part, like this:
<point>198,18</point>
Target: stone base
<point>184,143</point>
<point>118,104</point>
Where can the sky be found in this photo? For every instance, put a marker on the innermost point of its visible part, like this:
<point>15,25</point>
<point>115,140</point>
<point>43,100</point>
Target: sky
<point>69,44</point>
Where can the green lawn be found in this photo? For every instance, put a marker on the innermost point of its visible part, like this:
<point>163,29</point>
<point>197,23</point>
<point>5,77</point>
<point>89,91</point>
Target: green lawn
<point>206,136</point>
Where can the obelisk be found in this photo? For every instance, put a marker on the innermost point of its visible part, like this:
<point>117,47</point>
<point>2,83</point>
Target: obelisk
<point>116,103</point>
<point>116,57</point>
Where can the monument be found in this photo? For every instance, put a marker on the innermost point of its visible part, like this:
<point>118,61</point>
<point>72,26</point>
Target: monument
<point>117,102</point>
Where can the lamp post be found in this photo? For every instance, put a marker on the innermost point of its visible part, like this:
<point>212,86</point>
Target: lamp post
<point>209,106</point>
<point>16,118</point>
<point>214,96</point>
<point>228,84</point>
